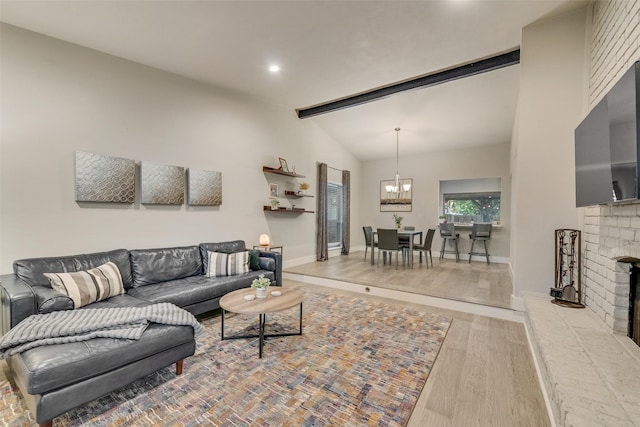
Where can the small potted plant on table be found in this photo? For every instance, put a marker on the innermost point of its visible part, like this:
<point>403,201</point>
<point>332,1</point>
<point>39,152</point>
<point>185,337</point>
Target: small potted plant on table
<point>260,285</point>
<point>398,219</point>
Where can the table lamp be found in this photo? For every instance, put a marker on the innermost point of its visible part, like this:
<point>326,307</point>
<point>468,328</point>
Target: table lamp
<point>264,240</point>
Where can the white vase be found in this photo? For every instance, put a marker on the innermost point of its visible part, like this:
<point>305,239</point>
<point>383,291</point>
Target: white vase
<point>261,292</point>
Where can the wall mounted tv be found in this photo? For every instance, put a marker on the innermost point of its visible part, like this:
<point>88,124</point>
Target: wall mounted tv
<point>607,145</point>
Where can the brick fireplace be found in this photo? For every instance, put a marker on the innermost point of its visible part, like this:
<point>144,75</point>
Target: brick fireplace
<point>611,248</point>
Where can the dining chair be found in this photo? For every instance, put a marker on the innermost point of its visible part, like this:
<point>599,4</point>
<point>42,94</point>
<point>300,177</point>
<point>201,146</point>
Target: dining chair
<point>404,240</point>
<point>388,243</point>
<point>426,247</point>
<point>368,238</point>
<point>448,233</point>
<point>480,232</point>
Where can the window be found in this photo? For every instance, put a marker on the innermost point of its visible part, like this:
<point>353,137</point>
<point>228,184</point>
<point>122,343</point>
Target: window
<point>463,201</point>
<point>334,215</point>
<point>466,208</point>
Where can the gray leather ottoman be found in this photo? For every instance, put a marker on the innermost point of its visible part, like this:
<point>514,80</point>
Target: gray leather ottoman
<point>56,378</point>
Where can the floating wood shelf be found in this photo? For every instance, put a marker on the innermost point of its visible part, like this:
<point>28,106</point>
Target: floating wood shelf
<point>295,195</point>
<point>287,210</point>
<point>267,169</point>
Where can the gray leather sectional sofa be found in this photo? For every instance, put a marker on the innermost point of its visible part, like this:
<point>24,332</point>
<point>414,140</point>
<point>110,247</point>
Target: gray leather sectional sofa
<point>56,378</point>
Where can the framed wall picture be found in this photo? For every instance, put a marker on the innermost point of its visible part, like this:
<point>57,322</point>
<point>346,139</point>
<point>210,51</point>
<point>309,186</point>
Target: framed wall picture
<point>273,190</point>
<point>283,165</point>
<point>204,188</point>
<point>104,179</point>
<point>161,184</point>
<point>394,199</point>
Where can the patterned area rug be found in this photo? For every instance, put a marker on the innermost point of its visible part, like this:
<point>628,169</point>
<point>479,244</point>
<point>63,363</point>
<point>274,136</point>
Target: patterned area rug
<point>358,362</point>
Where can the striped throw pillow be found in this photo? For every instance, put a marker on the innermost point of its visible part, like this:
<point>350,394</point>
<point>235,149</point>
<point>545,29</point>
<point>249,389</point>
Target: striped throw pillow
<point>222,264</point>
<point>85,287</point>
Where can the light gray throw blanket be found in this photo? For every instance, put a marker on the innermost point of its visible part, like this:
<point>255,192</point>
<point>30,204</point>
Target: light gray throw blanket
<point>82,325</point>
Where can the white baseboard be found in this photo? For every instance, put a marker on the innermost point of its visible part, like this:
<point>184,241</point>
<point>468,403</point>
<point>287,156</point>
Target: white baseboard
<point>298,261</point>
<point>517,302</point>
<point>307,259</point>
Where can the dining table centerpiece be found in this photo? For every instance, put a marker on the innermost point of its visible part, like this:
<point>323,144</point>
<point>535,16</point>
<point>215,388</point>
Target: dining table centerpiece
<point>398,219</point>
<point>260,285</point>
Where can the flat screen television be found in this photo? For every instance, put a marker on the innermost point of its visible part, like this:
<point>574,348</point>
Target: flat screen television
<point>623,135</point>
<point>607,145</point>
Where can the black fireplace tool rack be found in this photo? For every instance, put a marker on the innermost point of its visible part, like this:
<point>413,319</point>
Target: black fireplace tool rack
<point>567,291</point>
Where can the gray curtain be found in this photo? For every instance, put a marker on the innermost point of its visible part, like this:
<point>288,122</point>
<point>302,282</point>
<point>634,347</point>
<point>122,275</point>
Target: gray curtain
<point>322,243</point>
<point>346,212</point>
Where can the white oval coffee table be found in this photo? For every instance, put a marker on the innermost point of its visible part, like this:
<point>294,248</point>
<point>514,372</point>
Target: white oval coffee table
<point>234,302</point>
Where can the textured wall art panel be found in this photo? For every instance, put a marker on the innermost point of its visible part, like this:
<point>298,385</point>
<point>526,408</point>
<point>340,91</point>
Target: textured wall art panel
<point>104,178</point>
<point>161,184</point>
<point>204,188</point>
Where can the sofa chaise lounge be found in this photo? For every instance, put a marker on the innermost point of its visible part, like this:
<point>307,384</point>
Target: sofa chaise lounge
<point>57,378</point>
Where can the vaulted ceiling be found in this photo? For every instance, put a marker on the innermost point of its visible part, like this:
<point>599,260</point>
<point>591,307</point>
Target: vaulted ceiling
<point>326,50</point>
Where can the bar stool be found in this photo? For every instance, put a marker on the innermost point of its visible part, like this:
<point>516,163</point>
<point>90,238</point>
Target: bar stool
<point>480,232</point>
<point>448,233</point>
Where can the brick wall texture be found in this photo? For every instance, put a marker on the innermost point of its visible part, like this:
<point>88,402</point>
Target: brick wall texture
<point>612,230</point>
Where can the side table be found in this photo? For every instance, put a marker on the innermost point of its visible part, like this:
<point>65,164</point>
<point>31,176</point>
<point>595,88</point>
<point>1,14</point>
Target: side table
<point>269,248</point>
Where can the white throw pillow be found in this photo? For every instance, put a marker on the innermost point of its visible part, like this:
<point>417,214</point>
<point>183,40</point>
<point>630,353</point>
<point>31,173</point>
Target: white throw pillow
<point>85,287</point>
<point>222,264</point>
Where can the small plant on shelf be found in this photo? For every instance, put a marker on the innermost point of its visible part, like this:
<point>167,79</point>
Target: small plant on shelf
<point>304,186</point>
<point>398,219</point>
<point>274,203</point>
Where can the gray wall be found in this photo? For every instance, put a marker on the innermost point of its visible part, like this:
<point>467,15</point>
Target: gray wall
<point>549,109</point>
<point>58,98</point>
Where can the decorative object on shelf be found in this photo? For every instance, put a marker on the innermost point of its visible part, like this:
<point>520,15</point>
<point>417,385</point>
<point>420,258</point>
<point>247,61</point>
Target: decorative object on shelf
<point>398,220</point>
<point>443,219</point>
<point>567,291</point>
<point>294,193</point>
<point>273,190</point>
<point>264,240</point>
<point>204,188</point>
<point>283,165</point>
<point>104,178</point>
<point>287,210</point>
<point>304,186</point>
<point>279,171</point>
<point>260,285</point>
<point>161,184</point>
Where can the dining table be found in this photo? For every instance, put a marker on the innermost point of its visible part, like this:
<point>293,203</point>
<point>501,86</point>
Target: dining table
<point>408,233</point>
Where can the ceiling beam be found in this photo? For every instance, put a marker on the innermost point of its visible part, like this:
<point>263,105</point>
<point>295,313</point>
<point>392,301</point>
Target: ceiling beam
<point>467,70</point>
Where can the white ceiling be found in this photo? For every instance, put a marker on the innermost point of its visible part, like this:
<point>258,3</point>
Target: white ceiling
<point>326,50</point>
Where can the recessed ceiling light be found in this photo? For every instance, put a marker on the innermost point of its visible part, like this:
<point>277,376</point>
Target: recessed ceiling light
<point>274,68</point>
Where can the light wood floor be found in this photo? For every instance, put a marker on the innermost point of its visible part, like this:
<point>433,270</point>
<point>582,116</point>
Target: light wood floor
<point>476,282</point>
<point>483,376</point>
